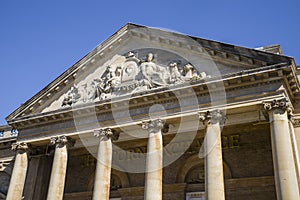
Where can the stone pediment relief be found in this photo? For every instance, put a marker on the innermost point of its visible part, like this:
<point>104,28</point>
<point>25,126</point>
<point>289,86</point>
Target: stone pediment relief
<point>136,71</point>
<point>110,70</point>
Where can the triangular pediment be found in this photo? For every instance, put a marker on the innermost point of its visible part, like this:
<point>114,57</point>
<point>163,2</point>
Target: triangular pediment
<point>137,59</point>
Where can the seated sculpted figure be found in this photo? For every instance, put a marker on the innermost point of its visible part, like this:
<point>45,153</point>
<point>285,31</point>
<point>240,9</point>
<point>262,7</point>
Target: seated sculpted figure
<point>96,89</point>
<point>111,79</point>
<point>152,72</point>
<point>175,75</point>
<point>71,97</point>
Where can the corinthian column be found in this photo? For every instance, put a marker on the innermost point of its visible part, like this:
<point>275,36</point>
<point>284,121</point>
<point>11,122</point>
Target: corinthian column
<point>59,167</point>
<point>18,176</point>
<point>103,167</point>
<point>214,179</point>
<point>154,162</point>
<point>283,160</point>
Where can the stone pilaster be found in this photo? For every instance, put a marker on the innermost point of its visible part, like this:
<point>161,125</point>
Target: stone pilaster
<point>214,178</point>
<point>59,167</point>
<point>295,148</point>
<point>18,176</point>
<point>154,162</point>
<point>104,160</point>
<point>286,183</point>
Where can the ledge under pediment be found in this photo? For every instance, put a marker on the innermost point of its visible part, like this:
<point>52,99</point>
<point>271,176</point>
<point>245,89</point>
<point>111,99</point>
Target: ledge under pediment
<point>119,67</point>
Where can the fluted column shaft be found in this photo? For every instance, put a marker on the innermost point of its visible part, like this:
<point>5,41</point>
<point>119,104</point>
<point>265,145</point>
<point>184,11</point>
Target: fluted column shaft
<point>18,177</point>
<point>283,159</point>
<point>154,161</point>
<point>214,178</point>
<point>59,168</point>
<point>104,160</point>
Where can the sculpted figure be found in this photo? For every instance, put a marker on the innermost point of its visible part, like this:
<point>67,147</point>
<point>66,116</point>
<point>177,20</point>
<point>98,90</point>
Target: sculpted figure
<point>189,71</point>
<point>72,96</point>
<point>130,68</point>
<point>112,79</point>
<point>175,75</point>
<point>130,54</point>
<point>152,72</point>
<point>83,93</point>
<point>96,89</point>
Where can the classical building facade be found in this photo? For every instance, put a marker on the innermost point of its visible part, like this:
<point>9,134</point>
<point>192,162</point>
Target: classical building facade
<point>8,137</point>
<point>151,114</point>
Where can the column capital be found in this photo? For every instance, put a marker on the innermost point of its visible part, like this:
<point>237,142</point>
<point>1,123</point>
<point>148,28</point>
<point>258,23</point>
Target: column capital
<point>18,176</point>
<point>295,121</point>
<point>62,140</point>
<point>212,117</point>
<point>282,104</point>
<point>154,126</point>
<point>106,134</point>
<point>20,147</point>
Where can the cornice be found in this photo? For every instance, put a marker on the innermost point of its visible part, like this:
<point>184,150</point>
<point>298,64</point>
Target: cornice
<point>159,95</point>
<point>232,108</point>
<point>70,74</point>
<point>214,50</point>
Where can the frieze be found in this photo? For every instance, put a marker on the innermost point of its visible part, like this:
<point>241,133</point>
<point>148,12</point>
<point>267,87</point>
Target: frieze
<point>175,148</point>
<point>132,74</point>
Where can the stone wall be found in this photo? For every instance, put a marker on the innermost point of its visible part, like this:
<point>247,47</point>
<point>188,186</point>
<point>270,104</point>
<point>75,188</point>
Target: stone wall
<point>247,159</point>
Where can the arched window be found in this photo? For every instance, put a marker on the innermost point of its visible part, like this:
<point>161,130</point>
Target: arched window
<point>192,171</point>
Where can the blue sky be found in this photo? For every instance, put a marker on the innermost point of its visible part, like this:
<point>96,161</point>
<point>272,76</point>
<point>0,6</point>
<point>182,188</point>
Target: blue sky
<point>40,40</point>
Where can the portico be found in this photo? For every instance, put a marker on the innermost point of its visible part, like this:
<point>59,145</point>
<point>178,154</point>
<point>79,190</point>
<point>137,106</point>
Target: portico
<point>154,115</point>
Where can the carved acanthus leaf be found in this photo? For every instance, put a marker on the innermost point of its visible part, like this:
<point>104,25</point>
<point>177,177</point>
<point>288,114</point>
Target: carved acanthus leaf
<point>282,104</point>
<point>154,126</point>
<point>62,140</point>
<point>19,146</point>
<point>213,117</point>
<point>107,133</point>
<point>276,103</point>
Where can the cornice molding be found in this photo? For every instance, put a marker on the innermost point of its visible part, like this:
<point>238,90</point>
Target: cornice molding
<point>213,49</point>
<point>159,95</point>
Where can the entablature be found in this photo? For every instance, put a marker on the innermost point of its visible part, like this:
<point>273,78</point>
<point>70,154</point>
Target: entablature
<point>278,75</point>
<point>7,135</point>
<point>247,112</point>
<point>130,35</point>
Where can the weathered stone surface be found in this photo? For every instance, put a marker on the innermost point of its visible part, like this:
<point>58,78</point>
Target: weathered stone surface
<point>283,157</point>
<point>214,176</point>
<point>154,161</point>
<point>59,168</point>
<point>140,74</point>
